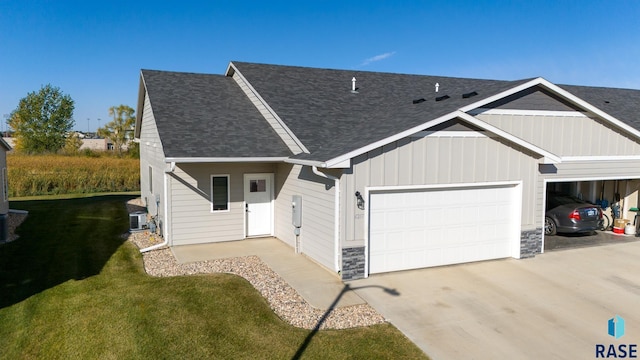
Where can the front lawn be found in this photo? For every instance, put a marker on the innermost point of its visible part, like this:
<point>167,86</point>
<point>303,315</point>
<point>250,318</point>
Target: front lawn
<point>71,287</point>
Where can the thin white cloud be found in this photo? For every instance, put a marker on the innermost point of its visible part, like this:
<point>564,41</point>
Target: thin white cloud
<point>377,58</point>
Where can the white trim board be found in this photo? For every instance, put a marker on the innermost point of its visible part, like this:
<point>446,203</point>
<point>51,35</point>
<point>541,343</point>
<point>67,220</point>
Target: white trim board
<point>232,69</point>
<point>601,158</point>
<point>490,111</point>
<point>453,134</point>
<point>548,158</point>
<point>185,160</point>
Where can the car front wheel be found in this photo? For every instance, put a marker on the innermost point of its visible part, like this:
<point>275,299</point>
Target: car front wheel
<point>549,226</point>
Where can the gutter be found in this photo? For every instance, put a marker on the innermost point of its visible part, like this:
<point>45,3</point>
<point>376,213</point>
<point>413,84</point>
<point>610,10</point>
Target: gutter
<point>336,212</point>
<point>172,167</point>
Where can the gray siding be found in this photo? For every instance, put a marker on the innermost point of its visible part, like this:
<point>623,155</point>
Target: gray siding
<point>569,135</point>
<point>151,154</point>
<point>192,220</point>
<point>437,160</point>
<point>533,99</point>
<point>318,194</point>
<point>275,124</point>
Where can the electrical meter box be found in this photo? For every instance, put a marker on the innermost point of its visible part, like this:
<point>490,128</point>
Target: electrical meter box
<point>296,210</point>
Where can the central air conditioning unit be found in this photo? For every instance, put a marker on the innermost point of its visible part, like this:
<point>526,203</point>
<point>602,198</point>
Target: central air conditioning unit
<point>137,221</point>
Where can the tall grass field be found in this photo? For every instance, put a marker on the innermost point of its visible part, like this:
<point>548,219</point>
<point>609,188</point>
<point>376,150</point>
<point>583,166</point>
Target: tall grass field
<point>33,175</point>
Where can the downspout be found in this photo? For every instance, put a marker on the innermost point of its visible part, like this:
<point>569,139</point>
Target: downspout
<point>336,212</point>
<point>172,167</point>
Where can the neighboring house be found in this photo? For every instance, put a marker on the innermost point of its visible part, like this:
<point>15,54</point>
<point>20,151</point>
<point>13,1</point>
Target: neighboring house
<point>90,144</point>
<point>389,171</point>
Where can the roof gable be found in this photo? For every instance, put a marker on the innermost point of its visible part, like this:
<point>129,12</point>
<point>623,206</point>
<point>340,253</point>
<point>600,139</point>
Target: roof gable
<point>204,116</point>
<point>207,116</point>
<point>330,119</point>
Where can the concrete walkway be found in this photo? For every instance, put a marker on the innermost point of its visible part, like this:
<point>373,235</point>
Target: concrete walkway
<point>554,306</point>
<point>315,284</point>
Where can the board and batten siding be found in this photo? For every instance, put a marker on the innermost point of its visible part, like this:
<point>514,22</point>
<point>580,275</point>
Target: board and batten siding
<point>318,194</point>
<point>431,160</point>
<point>573,134</point>
<point>151,155</point>
<point>192,220</point>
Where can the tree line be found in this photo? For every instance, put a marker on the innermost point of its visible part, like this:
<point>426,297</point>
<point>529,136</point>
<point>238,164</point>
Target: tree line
<point>43,121</point>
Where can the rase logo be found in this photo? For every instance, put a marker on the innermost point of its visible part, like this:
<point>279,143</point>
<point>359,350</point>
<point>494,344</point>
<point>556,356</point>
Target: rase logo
<point>616,329</point>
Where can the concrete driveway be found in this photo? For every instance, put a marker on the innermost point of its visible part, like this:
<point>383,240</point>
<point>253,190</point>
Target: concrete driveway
<point>553,306</point>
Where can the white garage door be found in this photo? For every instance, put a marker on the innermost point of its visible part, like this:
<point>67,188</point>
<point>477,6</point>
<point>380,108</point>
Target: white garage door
<point>431,227</point>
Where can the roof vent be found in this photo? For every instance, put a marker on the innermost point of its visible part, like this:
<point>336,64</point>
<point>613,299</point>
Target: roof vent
<point>418,101</point>
<point>606,101</point>
<point>437,86</point>
<point>354,89</point>
<point>443,97</point>
<point>469,94</point>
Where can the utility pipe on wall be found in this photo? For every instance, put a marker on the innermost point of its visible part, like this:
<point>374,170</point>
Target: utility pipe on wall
<point>336,213</point>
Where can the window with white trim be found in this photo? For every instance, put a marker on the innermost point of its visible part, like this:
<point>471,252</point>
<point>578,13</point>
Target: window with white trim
<point>220,193</point>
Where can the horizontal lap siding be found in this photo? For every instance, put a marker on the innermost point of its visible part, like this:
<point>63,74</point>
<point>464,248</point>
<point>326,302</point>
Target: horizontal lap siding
<point>151,154</point>
<point>437,160</point>
<point>192,219</point>
<point>317,232</point>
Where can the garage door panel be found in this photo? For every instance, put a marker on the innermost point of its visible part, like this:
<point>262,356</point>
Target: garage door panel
<point>433,227</point>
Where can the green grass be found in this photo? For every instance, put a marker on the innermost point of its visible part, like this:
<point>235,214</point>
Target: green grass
<point>72,288</point>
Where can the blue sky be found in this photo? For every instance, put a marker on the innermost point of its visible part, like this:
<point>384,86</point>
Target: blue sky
<point>94,50</point>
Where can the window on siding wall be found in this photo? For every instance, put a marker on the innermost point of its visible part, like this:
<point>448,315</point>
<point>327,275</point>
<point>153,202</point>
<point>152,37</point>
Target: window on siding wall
<point>219,192</point>
<point>5,185</point>
<point>150,179</point>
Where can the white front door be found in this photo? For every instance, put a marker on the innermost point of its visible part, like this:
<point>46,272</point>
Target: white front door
<point>258,196</point>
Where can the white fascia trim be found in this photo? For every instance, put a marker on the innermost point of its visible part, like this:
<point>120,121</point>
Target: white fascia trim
<point>315,163</point>
<point>589,107</point>
<point>560,92</point>
<point>142,94</point>
<point>348,156</point>
<point>549,158</point>
<point>223,159</point>
<point>601,158</point>
<point>336,165</point>
<point>444,186</point>
<point>490,99</point>
<point>453,134</point>
<point>231,69</point>
<point>489,111</point>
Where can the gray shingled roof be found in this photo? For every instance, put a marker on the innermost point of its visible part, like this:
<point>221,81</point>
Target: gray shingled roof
<point>202,115</point>
<point>623,104</point>
<point>330,120</point>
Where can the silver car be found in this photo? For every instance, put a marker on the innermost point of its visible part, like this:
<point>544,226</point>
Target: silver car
<point>568,214</point>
